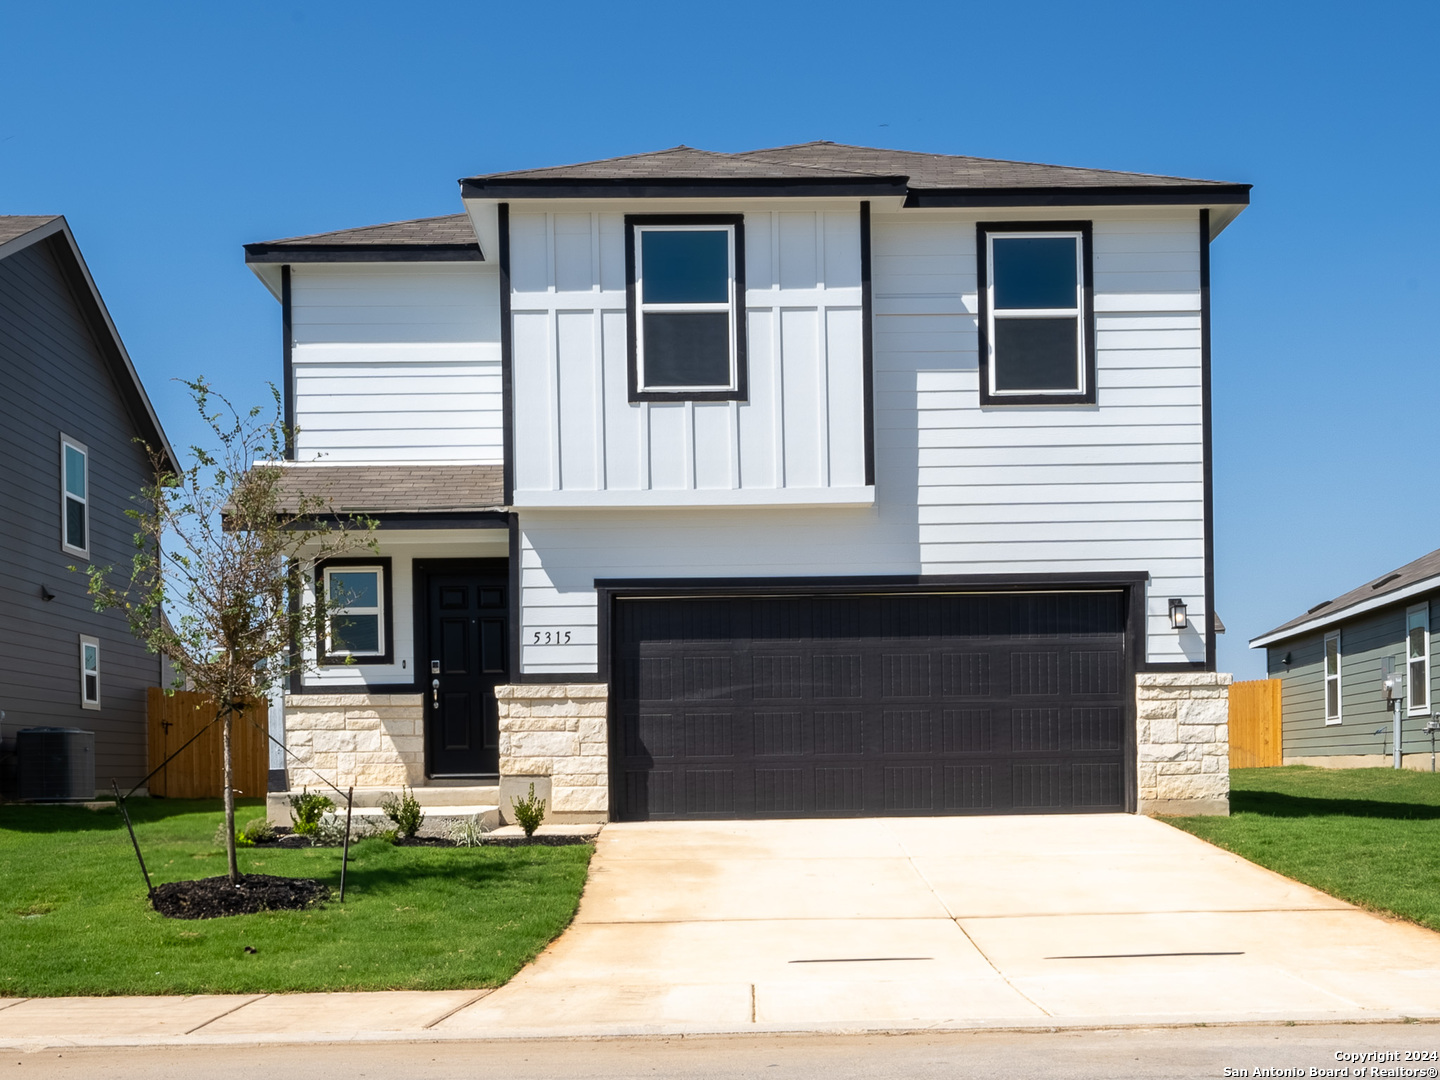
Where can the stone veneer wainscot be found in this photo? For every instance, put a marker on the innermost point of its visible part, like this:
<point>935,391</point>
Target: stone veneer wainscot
<point>368,740</point>
<point>1183,731</point>
<point>556,732</point>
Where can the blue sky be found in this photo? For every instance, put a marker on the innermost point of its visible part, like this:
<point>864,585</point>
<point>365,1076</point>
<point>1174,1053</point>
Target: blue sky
<point>170,135</point>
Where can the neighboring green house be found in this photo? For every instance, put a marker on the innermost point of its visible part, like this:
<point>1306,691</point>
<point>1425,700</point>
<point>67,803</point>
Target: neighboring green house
<point>1331,661</point>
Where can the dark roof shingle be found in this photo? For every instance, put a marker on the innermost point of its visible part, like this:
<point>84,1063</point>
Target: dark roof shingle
<point>450,235</point>
<point>828,160</point>
<point>381,489</point>
<point>17,225</point>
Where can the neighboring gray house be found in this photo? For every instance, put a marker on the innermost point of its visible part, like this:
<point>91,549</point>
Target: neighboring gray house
<point>72,409</point>
<point>1333,707</point>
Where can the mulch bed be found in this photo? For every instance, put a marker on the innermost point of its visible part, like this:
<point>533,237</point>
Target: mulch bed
<point>212,898</point>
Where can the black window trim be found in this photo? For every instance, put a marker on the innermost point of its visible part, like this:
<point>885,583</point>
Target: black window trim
<point>387,619</point>
<point>983,230</point>
<point>740,392</point>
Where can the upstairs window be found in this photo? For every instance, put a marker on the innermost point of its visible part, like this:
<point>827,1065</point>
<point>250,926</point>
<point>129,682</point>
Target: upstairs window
<point>357,624</point>
<point>1332,678</point>
<point>89,672</point>
<point>686,289</point>
<point>74,497</point>
<point>1037,314</point>
<point>1417,660</point>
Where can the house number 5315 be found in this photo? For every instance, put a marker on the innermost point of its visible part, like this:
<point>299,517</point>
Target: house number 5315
<point>550,637</point>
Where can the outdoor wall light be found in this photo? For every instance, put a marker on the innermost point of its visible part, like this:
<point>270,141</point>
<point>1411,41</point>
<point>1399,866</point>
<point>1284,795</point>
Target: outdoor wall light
<point>1177,613</point>
<point>1287,659</point>
<point>45,593</point>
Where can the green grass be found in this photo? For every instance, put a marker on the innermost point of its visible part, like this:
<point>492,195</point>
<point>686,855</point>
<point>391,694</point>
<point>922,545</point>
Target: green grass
<point>74,918</point>
<point>1369,836</point>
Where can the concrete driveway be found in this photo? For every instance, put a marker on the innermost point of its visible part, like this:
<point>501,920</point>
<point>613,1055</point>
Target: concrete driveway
<point>950,921</point>
<point>1039,922</point>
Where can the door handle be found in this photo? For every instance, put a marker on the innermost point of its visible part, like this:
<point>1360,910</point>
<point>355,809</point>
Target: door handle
<point>435,691</point>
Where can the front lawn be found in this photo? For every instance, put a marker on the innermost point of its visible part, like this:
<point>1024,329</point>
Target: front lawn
<point>1369,836</point>
<point>74,918</point>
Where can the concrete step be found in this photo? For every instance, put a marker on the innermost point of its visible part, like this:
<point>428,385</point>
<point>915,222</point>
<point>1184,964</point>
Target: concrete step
<point>447,802</point>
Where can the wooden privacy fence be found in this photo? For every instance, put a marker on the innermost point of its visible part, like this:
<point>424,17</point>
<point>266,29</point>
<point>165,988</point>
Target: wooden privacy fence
<point>1255,724</point>
<point>198,772</point>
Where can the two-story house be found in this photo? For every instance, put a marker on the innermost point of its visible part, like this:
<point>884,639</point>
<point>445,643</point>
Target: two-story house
<point>818,480</point>
<point>73,419</point>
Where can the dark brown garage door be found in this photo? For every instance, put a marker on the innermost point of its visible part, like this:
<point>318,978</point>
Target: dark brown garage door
<point>859,705</point>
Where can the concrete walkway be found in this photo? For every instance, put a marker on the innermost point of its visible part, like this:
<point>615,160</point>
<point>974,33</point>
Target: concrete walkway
<point>870,925</point>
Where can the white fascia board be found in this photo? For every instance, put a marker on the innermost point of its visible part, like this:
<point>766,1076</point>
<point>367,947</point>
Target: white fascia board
<point>729,498</point>
<point>1429,584</point>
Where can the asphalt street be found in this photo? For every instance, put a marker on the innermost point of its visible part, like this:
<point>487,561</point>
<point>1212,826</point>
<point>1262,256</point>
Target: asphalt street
<point>1113,1054</point>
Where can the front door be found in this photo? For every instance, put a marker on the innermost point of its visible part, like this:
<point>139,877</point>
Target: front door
<point>466,608</point>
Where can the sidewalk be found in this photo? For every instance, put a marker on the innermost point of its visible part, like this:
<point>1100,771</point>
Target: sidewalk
<point>866,926</point>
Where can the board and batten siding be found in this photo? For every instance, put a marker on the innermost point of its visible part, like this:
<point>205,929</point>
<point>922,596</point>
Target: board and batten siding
<point>57,380</point>
<point>960,489</point>
<point>397,362</point>
<point>1366,722</point>
<point>580,440</point>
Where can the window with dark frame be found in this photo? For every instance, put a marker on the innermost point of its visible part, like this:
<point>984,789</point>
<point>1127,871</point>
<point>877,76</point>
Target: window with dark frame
<point>685,286</point>
<point>1037,317</point>
<point>74,497</point>
<point>357,628</point>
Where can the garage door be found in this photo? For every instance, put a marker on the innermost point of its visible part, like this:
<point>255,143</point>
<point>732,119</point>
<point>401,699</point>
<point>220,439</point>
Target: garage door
<point>860,705</point>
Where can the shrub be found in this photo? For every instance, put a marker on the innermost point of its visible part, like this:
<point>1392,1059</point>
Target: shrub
<point>307,808</point>
<point>529,811</point>
<point>404,811</point>
<point>256,831</point>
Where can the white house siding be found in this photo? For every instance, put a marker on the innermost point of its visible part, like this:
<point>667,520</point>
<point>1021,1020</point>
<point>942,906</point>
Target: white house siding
<point>402,548</point>
<point>959,489</point>
<point>397,362</point>
<point>580,440</point>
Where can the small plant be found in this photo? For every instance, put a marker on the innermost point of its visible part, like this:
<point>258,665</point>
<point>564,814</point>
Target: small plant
<point>405,812</point>
<point>257,831</point>
<point>307,808</point>
<point>466,832</point>
<point>529,811</point>
<point>329,830</point>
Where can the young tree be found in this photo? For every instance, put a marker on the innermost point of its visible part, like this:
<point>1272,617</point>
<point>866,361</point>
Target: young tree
<point>214,582</point>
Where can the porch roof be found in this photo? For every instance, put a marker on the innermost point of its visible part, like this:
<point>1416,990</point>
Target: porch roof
<point>391,489</point>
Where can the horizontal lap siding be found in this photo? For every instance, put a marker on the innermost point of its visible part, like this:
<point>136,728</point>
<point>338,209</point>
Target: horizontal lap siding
<point>1365,719</point>
<point>56,380</point>
<point>800,424</point>
<point>1117,487</point>
<point>397,363</point>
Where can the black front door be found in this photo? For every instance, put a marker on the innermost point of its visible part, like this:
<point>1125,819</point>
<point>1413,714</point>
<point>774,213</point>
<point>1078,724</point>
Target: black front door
<point>466,610</point>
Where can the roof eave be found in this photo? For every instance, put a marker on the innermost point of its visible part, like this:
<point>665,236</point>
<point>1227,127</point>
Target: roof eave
<point>362,253</point>
<point>1099,195</point>
<point>1330,618</point>
<point>682,187</point>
